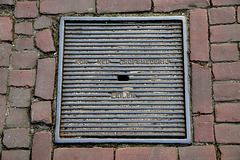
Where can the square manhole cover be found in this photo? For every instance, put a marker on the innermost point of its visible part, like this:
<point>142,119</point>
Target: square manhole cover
<point>123,80</point>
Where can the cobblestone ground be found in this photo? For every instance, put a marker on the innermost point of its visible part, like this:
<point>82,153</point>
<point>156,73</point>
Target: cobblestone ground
<point>28,59</point>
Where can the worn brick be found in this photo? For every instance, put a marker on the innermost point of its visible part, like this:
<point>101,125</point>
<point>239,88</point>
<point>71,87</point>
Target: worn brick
<point>23,43</point>
<point>224,52</point>
<point>222,15</point>
<point>24,28</point>
<point>201,89</point>
<point>21,78</point>
<point>238,14</point>
<point>167,153</point>
<point>112,6</point>
<point>3,79</point>
<point>199,33</point>
<point>226,91</point>
<point>225,33</point>
<point>226,133</point>
<point>45,78</point>
<point>41,112</point>
<point>225,2</point>
<point>226,71</point>
<point>2,113</point>
<point>16,155</point>
<point>203,128</point>
<point>83,153</point>
<point>17,118</point>
<point>171,5</point>
<point>16,138</point>
<point>63,6</point>
<point>19,97</point>
<point>8,2</point>
<point>26,9</point>
<point>229,152</point>
<point>227,112</point>
<point>197,153</point>
<point>43,22</point>
<point>5,52</point>
<point>24,60</point>
<point>6,27</point>
<point>42,146</point>
<point>44,41</point>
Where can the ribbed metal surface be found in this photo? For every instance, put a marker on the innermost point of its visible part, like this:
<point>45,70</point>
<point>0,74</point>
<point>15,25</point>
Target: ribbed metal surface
<point>122,80</point>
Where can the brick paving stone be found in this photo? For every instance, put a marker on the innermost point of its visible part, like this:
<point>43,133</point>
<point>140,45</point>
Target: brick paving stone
<point>42,146</point>
<point>43,22</point>
<point>3,78</point>
<point>203,128</point>
<point>21,78</point>
<point>226,91</point>
<point>226,133</point>
<point>8,2</point>
<point>224,52</point>
<point>2,113</point>
<point>226,71</point>
<point>17,118</point>
<point>197,153</point>
<point>44,41</point>
<point>83,153</point>
<point>24,60</point>
<point>171,5</point>
<point>16,155</point>
<point>225,33</point>
<point>23,43</point>
<point>222,15</point>
<point>45,78</point>
<point>63,6</point>
<point>6,26</point>
<point>5,52</point>
<point>201,89</point>
<point>168,153</point>
<point>24,28</point>
<point>16,138</point>
<point>238,14</point>
<point>19,97</point>
<point>227,112</point>
<point>224,2</point>
<point>229,152</point>
<point>41,112</point>
<point>26,9</point>
<point>112,6</point>
<point>199,33</point>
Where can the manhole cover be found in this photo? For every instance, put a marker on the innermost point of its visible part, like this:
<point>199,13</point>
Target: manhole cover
<point>123,80</point>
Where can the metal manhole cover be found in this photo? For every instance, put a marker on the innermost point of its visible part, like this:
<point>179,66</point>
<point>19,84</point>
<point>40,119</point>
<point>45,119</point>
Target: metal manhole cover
<point>123,80</point>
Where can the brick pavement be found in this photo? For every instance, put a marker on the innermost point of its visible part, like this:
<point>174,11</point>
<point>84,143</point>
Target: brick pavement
<point>28,68</point>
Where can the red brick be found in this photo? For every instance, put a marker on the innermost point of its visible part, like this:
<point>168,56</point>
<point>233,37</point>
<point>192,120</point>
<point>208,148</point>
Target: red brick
<point>112,6</point>
<point>44,41</point>
<point>168,153</point>
<point>43,22</point>
<point>226,91</point>
<point>42,146</point>
<point>23,43</point>
<point>238,14</point>
<point>225,2</point>
<point>226,133</point>
<point>6,26</point>
<point>3,79</point>
<point>5,52</point>
<point>222,15</point>
<point>24,28</point>
<point>2,113</point>
<point>16,138</point>
<point>21,78</point>
<point>227,112</point>
<point>45,78</point>
<point>17,118</point>
<point>24,60</point>
<point>19,97</point>
<point>225,33</point>
<point>201,89</point>
<point>226,71</point>
<point>41,112</point>
<point>83,153</point>
<point>203,128</point>
<point>63,6</point>
<point>197,153</point>
<point>171,5</point>
<point>224,52</point>
<point>26,9</point>
<point>229,152</point>
<point>8,2</point>
<point>16,155</point>
<point>199,33</point>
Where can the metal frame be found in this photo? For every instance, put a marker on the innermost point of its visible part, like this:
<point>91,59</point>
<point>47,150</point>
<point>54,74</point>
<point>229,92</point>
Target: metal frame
<point>187,140</point>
